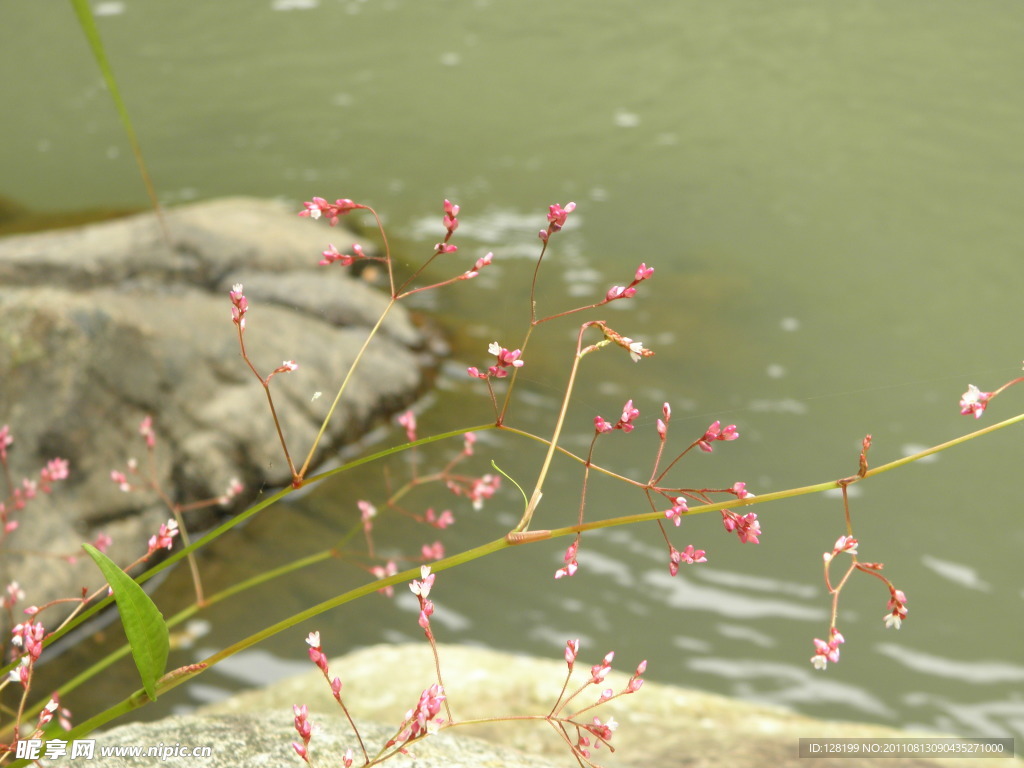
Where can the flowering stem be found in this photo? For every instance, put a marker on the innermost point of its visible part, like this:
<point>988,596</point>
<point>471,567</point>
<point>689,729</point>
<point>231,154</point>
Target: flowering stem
<point>535,498</point>
<point>298,477</point>
<point>270,400</point>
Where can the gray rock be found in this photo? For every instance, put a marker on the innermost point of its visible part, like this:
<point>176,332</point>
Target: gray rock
<point>105,324</point>
<point>264,739</point>
<point>660,726</point>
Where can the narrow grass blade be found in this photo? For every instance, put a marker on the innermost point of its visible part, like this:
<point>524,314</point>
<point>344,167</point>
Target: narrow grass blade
<point>92,34</point>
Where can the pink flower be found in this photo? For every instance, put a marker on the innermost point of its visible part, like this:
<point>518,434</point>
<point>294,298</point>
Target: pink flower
<point>483,261</point>
<point>408,420</point>
<point>570,561</point>
<point>316,652</point>
<point>234,488</point>
<point>636,680</point>
<point>843,544</point>
<point>625,422</point>
<point>826,652</point>
<point>304,728</point>
<point>425,714</point>
<point>102,542</point>
<point>239,306</point>
<point>421,588</point>
<point>599,672</point>
<point>318,207</point>
<point>332,255</point>
<point>55,469</point>
<point>572,648</point>
<point>629,414</point>
<point>746,526</point>
<point>715,432</point>
<point>384,572</point>
<point>679,509</point>
<point>619,292</point>
<point>442,248</point>
<point>557,216</point>
<point>5,441</point>
<point>121,480</point>
<point>14,594</point>
<point>164,538</point>
<point>506,358</point>
<point>482,489</point>
<point>433,551</point>
<point>740,490</point>
<point>366,513</point>
<point>688,556</point>
<point>29,637</point>
<point>146,430</point>
<point>974,401</point>
<point>897,608</point>
<point>643,272</point>
<point>441,521</point>
<point>450,212</point>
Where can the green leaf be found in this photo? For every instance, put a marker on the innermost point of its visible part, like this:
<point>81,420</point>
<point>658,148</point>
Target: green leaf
<point>143,623</point>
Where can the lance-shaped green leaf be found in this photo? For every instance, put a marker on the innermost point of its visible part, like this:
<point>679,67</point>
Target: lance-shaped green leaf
<point>143,623</point>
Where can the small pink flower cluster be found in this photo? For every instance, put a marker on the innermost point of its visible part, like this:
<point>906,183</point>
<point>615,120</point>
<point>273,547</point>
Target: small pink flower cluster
<point>316,652</point>
<point>5,442</point>
<point>333,256</point>
<point>53,706</point>
<point>897,608</point>
<point>239,306</point>
<point>826,652</point>
<point>384,572</point>
<point>408,420</point>
<point>843,544</point>
<point>483,261</point>
<point>451,223</point>
<point>599,672</point>
<point>422,720</point>
<point>625,422</point>
<point>571,565</point>
<point>973,402</point>
<point>716,432</point>
<point>666,416</point>
<point>29,637</point>
<point>55,470</point>
<point>629,291</point>
<point>746,526</point>
<point>556,219</point>
<point>479,489</point>
<point>688,556</point>
<point>421,588</point>
<point>304,727</point>
<point>595,732</point>
<point>164,538</point>
<point>319,207</point>
<point>441,521</point>
<point>506,359</point>
<point>234,488</point>
<point>675,514</point>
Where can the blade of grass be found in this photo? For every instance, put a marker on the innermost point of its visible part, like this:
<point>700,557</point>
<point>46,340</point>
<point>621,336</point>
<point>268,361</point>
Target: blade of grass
<point>92,34</point>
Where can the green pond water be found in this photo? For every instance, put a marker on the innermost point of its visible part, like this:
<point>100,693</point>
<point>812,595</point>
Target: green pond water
<point>831,197</point>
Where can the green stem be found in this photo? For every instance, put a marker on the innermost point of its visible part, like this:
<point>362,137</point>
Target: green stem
<point>341,389</point>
